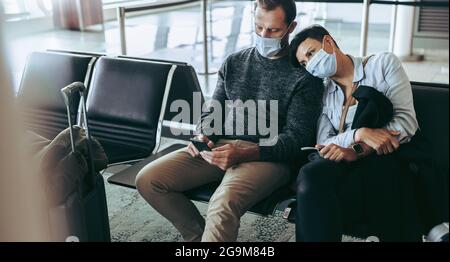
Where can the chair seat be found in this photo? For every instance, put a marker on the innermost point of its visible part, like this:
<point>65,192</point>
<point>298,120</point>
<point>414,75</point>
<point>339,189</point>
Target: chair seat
<point>267,206</point>
<point>120,153</point>
<point>127,176</point>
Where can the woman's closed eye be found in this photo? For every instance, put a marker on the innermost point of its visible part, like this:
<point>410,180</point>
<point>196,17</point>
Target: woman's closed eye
<point>308,55</point>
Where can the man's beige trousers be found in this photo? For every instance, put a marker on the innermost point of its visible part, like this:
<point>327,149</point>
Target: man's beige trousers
<point>163,182</point>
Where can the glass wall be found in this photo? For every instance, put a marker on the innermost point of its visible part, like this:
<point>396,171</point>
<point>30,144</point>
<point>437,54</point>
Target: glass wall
<point>26,9</point>
<point>176,33</point>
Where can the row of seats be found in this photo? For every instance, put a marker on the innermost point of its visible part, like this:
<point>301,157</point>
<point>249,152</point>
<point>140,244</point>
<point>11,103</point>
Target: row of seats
<point>124,102</point>
<point>127,106</point>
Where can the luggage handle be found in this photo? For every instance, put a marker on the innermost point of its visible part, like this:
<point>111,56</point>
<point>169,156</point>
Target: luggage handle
<point>69,93</point>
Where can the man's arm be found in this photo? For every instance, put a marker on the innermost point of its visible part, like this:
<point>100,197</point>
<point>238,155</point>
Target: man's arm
<point>302,115</point>
<point>301,121</point>
<point>206,123</point>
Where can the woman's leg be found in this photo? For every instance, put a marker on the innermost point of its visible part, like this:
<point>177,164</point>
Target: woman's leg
<point>319,215</point>
<point>389,199</point>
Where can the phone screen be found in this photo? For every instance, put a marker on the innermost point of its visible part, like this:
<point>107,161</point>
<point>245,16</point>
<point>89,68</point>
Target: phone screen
<point>200,145</point>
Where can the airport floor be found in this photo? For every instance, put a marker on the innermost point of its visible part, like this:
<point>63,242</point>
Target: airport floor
<point>133,220</point>
<point>176,35</point>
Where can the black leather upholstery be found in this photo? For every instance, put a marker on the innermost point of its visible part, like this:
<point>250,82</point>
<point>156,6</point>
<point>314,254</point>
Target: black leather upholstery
<point>431,104</point>
<point>39,95</point>
<point>127,176</point>
<point>265,207</point>
<point>184,84</point>
<point>124,104</point>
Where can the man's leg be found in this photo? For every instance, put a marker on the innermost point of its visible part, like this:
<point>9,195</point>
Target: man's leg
<point>243,186</point>
<point>162,183</point>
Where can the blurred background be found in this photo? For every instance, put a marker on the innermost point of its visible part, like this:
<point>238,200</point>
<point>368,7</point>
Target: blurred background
<point>173,30</point>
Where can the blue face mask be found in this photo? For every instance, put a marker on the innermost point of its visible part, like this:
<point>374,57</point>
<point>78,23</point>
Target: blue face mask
<point>268,47</point>
<point>322,64</point>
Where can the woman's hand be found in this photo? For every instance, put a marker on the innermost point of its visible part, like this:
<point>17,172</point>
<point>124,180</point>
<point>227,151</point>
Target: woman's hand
<point>192,150</point>
<point>337,153</point>
<point>381,140</point>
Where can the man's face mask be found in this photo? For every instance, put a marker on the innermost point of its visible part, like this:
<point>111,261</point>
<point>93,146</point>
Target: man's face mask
<point>269,47</point>
<point>322,64</point>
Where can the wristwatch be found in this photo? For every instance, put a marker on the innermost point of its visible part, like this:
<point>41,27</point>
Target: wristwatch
<point>358,149</point>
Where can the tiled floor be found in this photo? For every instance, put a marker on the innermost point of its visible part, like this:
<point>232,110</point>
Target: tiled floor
<point>177,35</point>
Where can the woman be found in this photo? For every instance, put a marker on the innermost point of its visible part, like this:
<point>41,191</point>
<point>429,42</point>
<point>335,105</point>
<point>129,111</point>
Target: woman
<point>358,177</point>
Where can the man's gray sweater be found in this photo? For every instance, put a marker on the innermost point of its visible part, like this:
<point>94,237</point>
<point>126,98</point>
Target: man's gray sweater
<point>248,76</point>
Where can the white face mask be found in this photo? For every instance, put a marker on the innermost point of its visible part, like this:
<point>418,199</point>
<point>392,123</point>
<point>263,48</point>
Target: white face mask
<point>269,47</point>
<point>322,64</point>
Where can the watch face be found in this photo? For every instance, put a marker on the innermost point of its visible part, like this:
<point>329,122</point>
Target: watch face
<point>358,148</point>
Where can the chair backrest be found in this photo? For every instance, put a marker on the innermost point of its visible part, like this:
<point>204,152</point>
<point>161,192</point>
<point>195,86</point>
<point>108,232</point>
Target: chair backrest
<point>431,104</point>
<point>39,95</point>
<point>185,87</point>
<point>74,52</point>
<point>124,105</point>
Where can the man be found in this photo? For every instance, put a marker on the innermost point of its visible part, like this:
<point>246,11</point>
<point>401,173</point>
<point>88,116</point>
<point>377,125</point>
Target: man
<point>249,170</point>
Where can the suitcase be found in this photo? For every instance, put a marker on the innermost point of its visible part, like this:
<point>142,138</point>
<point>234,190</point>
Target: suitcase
<point>83,217</point>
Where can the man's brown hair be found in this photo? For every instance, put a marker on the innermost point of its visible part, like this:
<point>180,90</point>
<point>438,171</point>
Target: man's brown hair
<point>290,10</point>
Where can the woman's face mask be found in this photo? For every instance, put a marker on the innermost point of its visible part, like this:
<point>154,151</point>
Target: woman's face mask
<point>322,64</point>
<point>269,47</point>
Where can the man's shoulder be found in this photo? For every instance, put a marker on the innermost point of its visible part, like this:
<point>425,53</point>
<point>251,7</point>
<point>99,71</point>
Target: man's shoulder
<point>241,54</point>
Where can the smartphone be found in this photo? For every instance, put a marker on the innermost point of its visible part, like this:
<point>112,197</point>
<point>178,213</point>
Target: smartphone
<point>200,145</point>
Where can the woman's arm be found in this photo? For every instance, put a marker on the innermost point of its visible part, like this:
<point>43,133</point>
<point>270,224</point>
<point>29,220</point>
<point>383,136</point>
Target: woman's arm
<point>400,94</point>
<point>326,134</point>
<point>338,153</point>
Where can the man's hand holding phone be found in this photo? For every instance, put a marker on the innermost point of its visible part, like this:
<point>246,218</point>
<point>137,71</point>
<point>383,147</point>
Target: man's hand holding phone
<point>198,144</point>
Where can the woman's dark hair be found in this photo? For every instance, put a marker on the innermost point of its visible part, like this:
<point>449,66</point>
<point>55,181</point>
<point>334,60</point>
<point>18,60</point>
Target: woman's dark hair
<point>316,32</point>
<point>289,7</point>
